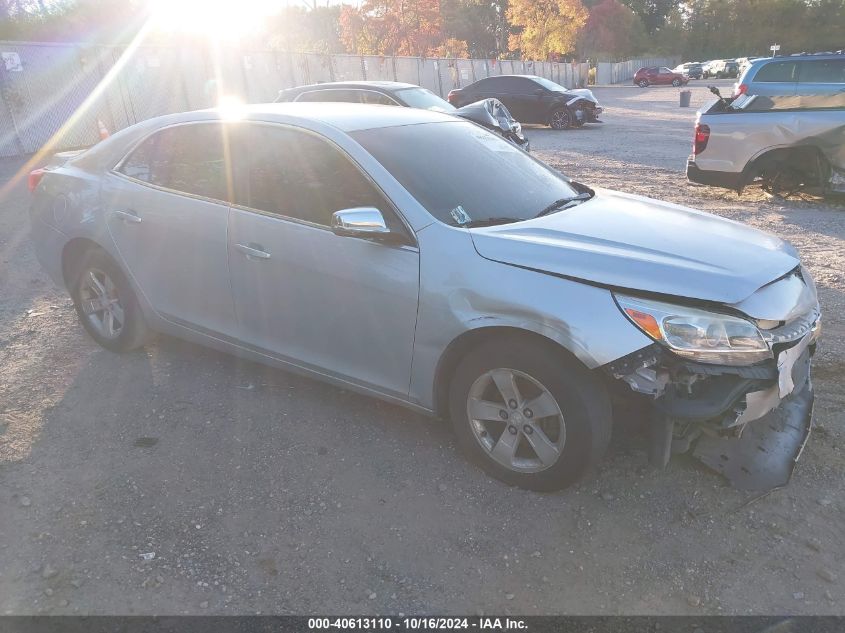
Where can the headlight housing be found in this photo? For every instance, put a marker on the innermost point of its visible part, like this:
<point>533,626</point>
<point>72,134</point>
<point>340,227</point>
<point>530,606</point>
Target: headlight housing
<point>699,335</point>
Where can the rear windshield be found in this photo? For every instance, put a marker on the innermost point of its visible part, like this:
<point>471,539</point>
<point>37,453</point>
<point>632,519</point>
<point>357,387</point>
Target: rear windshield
<point>549,85</point>
<point>425,99</point>
<point>459,170</point>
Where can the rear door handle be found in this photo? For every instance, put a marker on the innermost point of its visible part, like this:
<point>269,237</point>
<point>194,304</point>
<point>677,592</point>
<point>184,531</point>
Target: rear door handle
<point>253,250</point>
<point>128,216</point>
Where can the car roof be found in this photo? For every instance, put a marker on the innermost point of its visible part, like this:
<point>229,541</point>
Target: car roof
<point>797,58</point>
<point>318,116</point>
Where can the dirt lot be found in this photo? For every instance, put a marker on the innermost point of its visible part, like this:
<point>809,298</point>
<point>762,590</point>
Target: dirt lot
<point>259,491</point>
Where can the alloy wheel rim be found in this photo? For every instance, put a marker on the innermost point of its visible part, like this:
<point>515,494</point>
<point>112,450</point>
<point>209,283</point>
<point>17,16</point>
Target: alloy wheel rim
<point>101,304</point>
<point>560,119</point>
<point>516,420</point>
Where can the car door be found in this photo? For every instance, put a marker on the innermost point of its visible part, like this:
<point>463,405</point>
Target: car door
<point>343,306</point>
<point>511,91</point>
<point>821,76</point>
<point>664,76</point>
<point>166,210</point>
<point>775,79</point>
<point>531,101</point>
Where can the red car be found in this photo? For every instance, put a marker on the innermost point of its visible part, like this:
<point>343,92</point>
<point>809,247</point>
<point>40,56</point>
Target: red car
<point>659,76</point>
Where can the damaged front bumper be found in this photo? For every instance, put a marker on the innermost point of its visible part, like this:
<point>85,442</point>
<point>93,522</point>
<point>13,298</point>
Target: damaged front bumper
<point>749,424</point>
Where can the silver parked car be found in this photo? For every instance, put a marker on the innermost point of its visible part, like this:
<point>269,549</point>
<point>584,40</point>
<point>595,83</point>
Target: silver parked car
<point>794,75</point>
<point>426,261</point>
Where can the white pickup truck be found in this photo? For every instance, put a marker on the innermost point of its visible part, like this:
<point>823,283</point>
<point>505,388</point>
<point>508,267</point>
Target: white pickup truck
<point>786,144</point>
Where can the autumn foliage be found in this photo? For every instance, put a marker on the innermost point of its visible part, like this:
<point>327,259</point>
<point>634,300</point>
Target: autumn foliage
<point>393,27</point>
<point>545,27</point>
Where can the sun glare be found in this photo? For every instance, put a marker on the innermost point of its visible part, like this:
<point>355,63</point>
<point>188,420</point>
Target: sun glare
<point>216,18</point>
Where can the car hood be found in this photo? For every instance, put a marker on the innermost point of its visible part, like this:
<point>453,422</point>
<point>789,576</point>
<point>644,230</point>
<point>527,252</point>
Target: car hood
<point>584,93</point>
<point>636,243</point>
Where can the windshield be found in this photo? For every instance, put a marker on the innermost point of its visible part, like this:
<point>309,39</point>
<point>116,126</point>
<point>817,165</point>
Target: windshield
<point>425,99</point>
<point>463,174</point>
<point>548,84</point>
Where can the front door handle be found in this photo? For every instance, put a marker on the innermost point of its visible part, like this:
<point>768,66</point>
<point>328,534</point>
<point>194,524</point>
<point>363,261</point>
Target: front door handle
<point>128,216</point>
<point>252,250</point>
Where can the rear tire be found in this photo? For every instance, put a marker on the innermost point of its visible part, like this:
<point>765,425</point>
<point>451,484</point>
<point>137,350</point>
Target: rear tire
<point>676,82</point>
<point>570,423</point>
<point>643,83</point>
<point>105,302</point>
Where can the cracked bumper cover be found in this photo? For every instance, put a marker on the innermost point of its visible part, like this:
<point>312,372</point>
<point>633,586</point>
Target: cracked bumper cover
<point>749,424</point>
<point>764,455</point>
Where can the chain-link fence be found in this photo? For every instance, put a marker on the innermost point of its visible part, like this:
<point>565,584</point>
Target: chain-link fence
<point>64,91</point>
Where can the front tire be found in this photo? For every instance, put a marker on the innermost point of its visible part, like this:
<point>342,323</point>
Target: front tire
<point>105,302</point>
<point>643,83</point>
<point>676,82</point>
<point>560,119</point>
<point>529,416</point>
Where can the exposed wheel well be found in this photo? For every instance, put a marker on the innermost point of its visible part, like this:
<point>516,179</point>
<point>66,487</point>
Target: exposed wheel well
<point>807,159</point>
<point>468,341</point>
<point>72,254</point>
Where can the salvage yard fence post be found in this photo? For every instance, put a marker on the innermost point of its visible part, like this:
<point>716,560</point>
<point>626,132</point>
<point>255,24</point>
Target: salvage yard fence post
<point>57,90</point>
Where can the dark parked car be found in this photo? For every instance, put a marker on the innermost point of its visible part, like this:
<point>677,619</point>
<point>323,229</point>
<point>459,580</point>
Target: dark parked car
<point>533,99</point>
<point>659,76</point>
<point>490,113</point>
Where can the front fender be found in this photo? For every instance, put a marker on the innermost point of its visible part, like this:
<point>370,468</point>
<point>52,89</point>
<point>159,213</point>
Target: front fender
<point>460,291</point>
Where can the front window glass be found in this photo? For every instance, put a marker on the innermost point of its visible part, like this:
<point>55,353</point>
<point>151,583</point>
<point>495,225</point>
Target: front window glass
<point>823,71</point>
<point>425,99</point>
<point>461,173</point>
<point>299,175</point>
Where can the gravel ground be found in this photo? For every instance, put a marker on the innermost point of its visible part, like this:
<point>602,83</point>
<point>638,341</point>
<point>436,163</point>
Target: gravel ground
<point>179,480</point>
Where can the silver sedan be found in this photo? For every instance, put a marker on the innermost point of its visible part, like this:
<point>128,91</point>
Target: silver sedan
<point>423,260</point>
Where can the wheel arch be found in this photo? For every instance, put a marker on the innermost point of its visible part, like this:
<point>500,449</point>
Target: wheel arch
<point>801,155</point>
<point>465,342</point>
<point>72,253</point>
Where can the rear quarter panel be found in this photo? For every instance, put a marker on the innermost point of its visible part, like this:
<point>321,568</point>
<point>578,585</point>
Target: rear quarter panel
<point>738,139</point>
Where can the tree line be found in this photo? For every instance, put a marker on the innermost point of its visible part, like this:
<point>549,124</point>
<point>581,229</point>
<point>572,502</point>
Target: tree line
<point>599,30</point>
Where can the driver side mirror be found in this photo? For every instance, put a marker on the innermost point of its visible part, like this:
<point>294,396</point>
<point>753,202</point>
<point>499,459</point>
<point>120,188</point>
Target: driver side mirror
<point>365,222</point>
<point>715,91</point>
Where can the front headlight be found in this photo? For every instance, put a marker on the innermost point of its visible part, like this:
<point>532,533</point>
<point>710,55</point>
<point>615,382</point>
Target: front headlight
<point>705,337</point>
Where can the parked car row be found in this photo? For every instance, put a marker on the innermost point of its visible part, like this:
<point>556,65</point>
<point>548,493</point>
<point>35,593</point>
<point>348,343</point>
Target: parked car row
<point>510,101</point>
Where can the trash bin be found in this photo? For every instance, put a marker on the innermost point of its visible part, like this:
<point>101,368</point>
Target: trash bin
<point>685,98</point>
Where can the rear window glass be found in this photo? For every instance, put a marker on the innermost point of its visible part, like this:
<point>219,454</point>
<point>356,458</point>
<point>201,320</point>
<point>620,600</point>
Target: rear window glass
<point>822,71</point>
<point>344,96</point>
<point>777,71</point>
<point>187,158</point>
